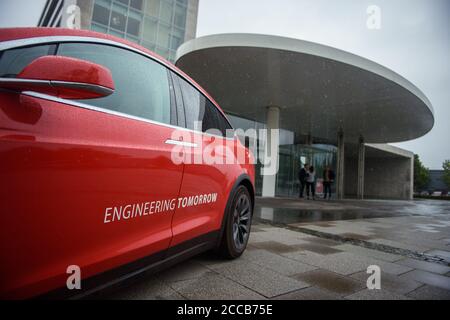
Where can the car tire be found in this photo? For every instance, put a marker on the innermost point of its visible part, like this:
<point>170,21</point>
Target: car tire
<point>237,226</point>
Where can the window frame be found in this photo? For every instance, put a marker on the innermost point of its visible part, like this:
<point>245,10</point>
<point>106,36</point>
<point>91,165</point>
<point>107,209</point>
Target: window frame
<point>173,114</point>
<point>211,103</point>
<point>52,49</point>
<point>59,39</point>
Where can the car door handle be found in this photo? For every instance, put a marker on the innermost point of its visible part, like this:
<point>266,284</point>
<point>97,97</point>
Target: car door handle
<point>181,143</point>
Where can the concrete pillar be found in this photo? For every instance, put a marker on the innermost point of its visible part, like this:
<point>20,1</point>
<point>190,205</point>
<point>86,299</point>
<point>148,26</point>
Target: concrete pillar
<point>361,163</point>
<point>340,166</point>
<point>86,9</point>
<point>411,179</point>
<point>272,149</point>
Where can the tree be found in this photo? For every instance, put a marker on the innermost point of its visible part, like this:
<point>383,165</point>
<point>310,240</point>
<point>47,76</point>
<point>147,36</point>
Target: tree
<point>446,175</point>
<point>421,174</point>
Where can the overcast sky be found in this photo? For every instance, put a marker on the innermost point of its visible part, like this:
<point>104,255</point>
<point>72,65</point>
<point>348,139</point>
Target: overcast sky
<point>414,41</point>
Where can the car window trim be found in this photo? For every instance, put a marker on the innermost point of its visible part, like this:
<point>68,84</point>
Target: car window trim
<point>52,49</point>
<point>48,40</point>
<point>172,119</point>
<point>179,100</point>
<point>173,101</point>
<point>206,105</point>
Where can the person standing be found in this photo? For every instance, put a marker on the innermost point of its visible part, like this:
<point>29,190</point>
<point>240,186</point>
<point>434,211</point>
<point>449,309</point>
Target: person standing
<point>328,179</point>
<point>302,177</point>
<point>311,183</point>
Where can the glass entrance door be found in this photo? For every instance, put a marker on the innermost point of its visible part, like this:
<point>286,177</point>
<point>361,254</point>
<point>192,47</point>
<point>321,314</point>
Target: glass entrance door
<point>293,157</point>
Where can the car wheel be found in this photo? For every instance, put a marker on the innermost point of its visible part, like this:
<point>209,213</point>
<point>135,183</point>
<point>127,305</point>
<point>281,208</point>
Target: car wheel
<point>237,226</point>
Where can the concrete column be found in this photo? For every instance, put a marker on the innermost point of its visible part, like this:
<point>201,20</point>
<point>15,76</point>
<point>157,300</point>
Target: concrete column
<point>86,9</point>
<point>411,178</point>
<point>340,166</point>
<point>272,149</point>
<point>361,163</point>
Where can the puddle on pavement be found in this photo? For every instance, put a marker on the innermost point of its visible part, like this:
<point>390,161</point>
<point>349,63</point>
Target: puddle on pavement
<point>330,281</point>
<point>289,215</point>
<point>324,250</point>
<point>276,247</point>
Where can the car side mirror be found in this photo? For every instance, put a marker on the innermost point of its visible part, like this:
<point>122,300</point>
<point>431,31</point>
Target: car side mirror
<point>63,77</point>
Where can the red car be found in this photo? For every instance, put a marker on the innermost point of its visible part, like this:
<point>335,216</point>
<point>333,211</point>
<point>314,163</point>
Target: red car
<point>92,129</point>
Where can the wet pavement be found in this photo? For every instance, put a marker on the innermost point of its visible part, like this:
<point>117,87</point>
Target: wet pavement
<point>303,249</point>
<point>416,229</point>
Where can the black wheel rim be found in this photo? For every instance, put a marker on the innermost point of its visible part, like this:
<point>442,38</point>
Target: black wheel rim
<point>241,221</point>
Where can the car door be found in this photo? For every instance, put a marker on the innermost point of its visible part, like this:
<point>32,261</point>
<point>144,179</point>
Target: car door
<point>205,185</point>
<point>87,183</point>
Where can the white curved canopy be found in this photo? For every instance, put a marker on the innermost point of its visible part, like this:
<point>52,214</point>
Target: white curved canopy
<point>319,89</point>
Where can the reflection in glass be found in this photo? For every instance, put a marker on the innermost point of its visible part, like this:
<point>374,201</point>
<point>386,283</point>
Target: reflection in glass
<point>166,12</point>
<point>118,17</point>
<point>101,14</point>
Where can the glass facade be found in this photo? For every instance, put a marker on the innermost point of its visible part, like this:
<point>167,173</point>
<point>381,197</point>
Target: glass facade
<point>159,25</point>
<point>291,158</point>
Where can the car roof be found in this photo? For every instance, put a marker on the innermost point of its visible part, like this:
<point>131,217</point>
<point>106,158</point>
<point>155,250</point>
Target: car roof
<point>9,34</point>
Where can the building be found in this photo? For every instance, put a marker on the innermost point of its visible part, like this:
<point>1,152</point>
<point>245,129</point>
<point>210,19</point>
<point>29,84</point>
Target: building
<point>159,25</point>
<point>331,107</point>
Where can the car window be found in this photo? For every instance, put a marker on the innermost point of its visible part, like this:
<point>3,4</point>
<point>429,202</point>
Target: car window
<point>13,61</point>
<point>201,111</point>
<point>141,84</point>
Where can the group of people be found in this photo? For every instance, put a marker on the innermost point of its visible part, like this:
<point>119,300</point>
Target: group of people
<point>307,177</point>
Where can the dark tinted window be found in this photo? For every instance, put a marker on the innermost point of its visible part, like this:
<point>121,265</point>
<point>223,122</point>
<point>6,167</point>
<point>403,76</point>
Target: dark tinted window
<point>133,26</point>
<point>142,85</point>
<point>201,114</point>
<point>101,14</point>
<point>118,18</point>
<point>13,61</point>
<point>137,4</point>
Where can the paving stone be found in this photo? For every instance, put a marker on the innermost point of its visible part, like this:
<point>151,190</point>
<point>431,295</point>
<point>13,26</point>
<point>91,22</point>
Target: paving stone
<point>425,266</point>
<point>330,281</point>
<point>322,241</point>
<point>375,294</point>
<point>277,263</point>
<point>427,292</point>
<point>401,245</point>
<point>311,293</point>
<point>429,278</point>
<point>317,248</point>
<point>345,263</point>
<point>276,247</point>
<point>214,287</point>
<point>357,236</point>
<point>257,237</point>
<point>316,227</point>
<point>148,288</point>
<point>391,282</point>
<point>190,269</point>
<point>332,262</point>
<point>289,238</point>
<point>389,257</point>
<point>257,228</point>
<point>441,253</point>
<point>264,281</point>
